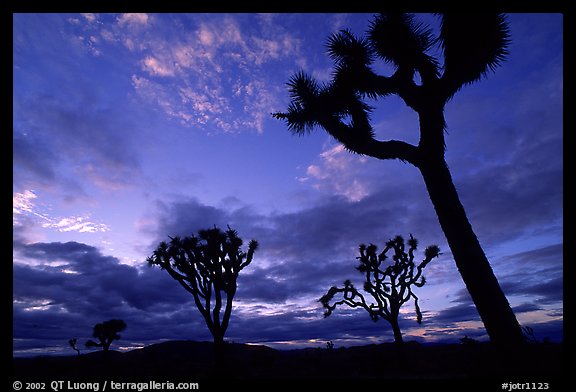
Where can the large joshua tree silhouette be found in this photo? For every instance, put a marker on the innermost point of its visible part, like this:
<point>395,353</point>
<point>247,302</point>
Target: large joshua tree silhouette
<point>207,266</point>
<point>472,45</point>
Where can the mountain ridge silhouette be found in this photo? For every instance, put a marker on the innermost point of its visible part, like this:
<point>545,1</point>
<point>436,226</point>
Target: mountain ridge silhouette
<point>191,359</point>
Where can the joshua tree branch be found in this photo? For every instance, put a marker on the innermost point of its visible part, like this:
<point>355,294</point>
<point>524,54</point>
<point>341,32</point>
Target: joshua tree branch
<point>348,136</point>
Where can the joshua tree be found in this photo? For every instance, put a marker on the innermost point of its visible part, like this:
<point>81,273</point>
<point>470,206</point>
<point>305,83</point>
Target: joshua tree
<point>72,343</point>
<point>472,45</point>
<point>207,267</point>
<point>389,285</point>
<point>106,333</point>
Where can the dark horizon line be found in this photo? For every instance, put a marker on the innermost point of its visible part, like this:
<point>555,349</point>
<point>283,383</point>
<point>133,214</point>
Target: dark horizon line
<point>444,342</point>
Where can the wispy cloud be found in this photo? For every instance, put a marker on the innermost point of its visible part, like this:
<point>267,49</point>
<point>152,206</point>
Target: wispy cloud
<point>133,19</point>
<point>60,139</point>
<point>337,171</point>
<point>76,223</point>
<point>90,17</point>
<point>155,68</point>
<point>25,206</point>
<point>185,76</point>
<point>22,202</point>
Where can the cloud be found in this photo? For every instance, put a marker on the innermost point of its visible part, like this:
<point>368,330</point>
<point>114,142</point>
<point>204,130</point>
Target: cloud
<point>77,130</point>
<point>32,159</point>
<point>61,140</point>
<point>302,253</point>
<point>307,326</point>
<point>535,194</point>
<point>192,69</point>
<point>71,286</point>
<point>90,17</point>
<point>75,284</point>
<point>133,19</point>
<point>334,226</point>
<point>76,223</point>
<point>22,202</point>
<point>457,313</point>
<point>305,252</point>
<point>259,287</point>
<point>26,212</point>
<point>155,68</point>
<point>61,282</point>
<point>548,291</point>
<point>338,172</point>
<point>544,259</point>
<point>525,308</point>
<point>535,275</point>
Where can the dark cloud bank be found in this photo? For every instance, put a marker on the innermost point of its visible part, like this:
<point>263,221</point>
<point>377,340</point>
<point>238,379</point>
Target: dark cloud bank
<point>63,289</point>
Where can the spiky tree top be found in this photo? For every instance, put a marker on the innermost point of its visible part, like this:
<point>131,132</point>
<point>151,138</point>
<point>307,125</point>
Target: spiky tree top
<point>472,45</point>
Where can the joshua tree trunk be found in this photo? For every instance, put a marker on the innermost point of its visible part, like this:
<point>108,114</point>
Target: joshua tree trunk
<point>397,332</point>
<point>477,274</point>
<point>219,348</point>
<point>219,339</point>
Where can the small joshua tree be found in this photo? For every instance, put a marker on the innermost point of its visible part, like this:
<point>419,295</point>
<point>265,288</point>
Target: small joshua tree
<point>390,286</point>
<point>106,333</point>
<point>72,343</point>
<point>207,267</point>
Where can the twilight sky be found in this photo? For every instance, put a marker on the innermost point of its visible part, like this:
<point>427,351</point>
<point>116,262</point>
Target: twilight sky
<point>129,128</point>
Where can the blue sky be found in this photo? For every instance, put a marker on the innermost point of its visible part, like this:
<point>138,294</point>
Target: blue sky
<point>128,128</point>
